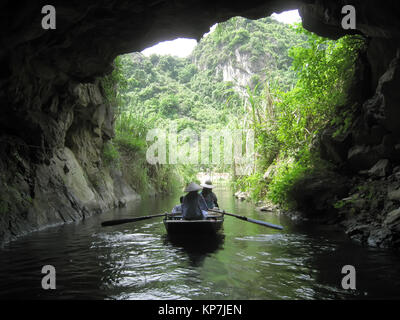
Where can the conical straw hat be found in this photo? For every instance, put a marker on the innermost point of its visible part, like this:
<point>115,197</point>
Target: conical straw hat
<point>207,184</point>
<point>192,187</point>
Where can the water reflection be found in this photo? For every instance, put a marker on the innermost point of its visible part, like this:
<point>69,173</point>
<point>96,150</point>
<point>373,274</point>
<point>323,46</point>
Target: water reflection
<point>244,261</point>
<point>198,247</point>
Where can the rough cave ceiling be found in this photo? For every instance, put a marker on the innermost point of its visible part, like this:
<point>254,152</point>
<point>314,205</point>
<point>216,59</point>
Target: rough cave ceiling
<point>90,34</point>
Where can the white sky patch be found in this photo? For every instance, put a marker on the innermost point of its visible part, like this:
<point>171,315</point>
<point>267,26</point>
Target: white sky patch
<point>182,47</point>
<point>211,29</point>
<point>288,17</point>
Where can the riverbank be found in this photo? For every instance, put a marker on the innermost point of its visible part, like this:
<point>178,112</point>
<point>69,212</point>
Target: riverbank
<point>366,207</point>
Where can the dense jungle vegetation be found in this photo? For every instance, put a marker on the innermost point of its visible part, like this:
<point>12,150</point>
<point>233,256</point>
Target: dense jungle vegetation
<point>281,81</point>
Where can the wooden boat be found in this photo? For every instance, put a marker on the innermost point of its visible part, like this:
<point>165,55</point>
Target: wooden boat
<point>174,224</point>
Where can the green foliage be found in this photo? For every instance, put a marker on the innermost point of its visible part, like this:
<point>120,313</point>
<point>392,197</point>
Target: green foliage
<point>343,119</point>
<point>131,133</point>
<point>325,69</point>
<point>286,133</point>
<point>110,154</point>
<point>187,173</point>
<point>291,97</point>
<point>254,184</point>
<point>265,41</point>
<point>186,73</point>
<point>114,84</point>
<point>241,36</point>
<point>286,174</point>
<point>127,150</point>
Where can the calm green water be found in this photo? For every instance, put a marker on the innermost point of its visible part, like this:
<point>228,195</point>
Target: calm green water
<point>246,261</point>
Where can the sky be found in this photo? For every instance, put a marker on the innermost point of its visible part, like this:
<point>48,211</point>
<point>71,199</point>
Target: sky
<point>182,47</point>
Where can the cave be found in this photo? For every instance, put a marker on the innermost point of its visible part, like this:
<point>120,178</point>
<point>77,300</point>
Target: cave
<point>54,118</point>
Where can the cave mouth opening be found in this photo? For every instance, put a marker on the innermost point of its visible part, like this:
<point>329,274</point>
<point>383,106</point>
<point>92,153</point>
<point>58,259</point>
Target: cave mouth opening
<point>182,47</point>
<point>53,99</point>
<point>266,74</point>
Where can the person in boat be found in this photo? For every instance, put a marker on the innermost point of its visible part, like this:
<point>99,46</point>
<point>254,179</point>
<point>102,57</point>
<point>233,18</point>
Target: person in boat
<point>194,206</point>
<point>208,195</point>
<point>178,208</point>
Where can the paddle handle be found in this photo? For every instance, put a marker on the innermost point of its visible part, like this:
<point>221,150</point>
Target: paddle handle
<point>263,223</point>
<point>122,221</point>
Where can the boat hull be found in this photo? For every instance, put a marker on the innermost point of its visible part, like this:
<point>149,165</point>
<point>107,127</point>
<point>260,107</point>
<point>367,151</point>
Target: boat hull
<point>177,225</point>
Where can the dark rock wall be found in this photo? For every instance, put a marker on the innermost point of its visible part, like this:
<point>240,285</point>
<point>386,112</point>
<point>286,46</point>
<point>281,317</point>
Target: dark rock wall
<point>367,157</point>
<point>54,119</point>
<point>50,169</point>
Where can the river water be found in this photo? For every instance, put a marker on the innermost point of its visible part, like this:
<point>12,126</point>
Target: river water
<point>245,261</point>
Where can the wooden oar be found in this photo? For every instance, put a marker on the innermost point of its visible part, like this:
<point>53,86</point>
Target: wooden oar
<point>121,221</point>
<point>263,223</point>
